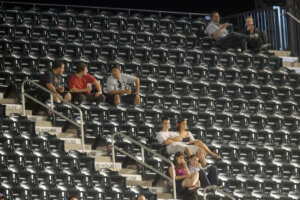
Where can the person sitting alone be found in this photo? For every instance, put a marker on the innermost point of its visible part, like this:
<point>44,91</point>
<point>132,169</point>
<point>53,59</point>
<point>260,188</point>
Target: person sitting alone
<point>224,38</point>
<point>118,88</point>
<point>80,84</point>
<point>52,80</point>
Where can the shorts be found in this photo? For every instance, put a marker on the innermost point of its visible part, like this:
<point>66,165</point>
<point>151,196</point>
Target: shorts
<point>128,99</point>
<point>181,146</point>
<point>45,96</point>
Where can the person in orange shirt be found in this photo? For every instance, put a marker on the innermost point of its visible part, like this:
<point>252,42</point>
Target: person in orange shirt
<point>80,84</point>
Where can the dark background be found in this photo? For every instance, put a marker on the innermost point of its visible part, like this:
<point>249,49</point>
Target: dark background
<point>225,7</point>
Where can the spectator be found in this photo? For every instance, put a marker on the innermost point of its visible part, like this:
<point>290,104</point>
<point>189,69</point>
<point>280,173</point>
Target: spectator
<point>197,147</point>
<point>52,80</point>
<point>171,140</point>
<point>183,177</point>
<point>2,196</point>
<point>141,197</point>
<point>225,39</point>
<point>80,84</point>
<point>260,43</point>
<point>206,179</point>
<point>118,88</point>
<point>72,198</point>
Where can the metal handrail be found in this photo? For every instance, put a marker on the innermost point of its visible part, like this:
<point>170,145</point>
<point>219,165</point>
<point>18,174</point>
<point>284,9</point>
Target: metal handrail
<point>291,16</point>
<point>143,148</point>
<point>129,10</point>
<point>51,107</point>
<point>214,187</point>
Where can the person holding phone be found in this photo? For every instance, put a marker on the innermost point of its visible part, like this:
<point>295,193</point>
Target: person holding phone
<point>80,84</point>
<point>256,44</point>
<point>52,80</point>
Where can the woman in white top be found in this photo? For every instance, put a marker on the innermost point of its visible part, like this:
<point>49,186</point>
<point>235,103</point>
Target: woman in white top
<point>196,146</point>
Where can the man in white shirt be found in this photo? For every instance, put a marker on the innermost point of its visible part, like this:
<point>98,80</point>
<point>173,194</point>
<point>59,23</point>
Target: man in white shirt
<point>172,140</point>
<point>118,88</point>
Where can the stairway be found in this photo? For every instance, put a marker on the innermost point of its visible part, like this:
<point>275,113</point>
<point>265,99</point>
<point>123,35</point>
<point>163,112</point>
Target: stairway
<point>288,60</point>
<point>72,142</point>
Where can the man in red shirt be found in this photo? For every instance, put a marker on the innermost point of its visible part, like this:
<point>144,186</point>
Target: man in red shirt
<point>80,84</point>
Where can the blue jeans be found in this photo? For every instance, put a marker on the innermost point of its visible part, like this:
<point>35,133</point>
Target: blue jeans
<point>210,177</point>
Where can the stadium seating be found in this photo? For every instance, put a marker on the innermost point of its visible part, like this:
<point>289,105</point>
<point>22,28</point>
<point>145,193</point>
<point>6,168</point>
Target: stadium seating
<point>244,105</point>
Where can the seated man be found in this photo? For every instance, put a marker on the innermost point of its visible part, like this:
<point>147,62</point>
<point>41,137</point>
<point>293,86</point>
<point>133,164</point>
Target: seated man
<point>225,39</point>
<point>260,43</point>
<point>52,80</point>
<point>80,84</point>
<point>172,141</point>
<point>118,89</point>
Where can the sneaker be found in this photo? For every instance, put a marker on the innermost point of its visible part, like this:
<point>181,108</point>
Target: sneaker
<point>265,46</point>
<point>254,36</point>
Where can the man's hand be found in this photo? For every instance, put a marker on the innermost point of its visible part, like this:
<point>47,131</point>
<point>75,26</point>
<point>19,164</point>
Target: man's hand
<point>127,91</point>
<point>250,27</point>
<point>224,25</point>
<point>61,89</point>
<point>88,88</point>
<point>98,94</point>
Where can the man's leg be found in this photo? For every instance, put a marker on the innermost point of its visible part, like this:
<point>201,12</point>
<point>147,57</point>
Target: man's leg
<point>79,97</point>
<point>93,98</point>
<point>213,175</point>
<point>117,99</point>
<point>204,180</point>
<point>137,100</point>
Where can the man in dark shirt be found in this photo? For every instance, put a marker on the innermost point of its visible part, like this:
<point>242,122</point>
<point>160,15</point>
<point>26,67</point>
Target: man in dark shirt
<point>52,80</point>
<point>256,44</point>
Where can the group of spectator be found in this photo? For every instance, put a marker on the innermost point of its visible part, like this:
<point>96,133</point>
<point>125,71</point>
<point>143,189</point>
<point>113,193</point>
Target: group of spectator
<point>250,37</point>
<point>182,143</point>
<point>84,87</point>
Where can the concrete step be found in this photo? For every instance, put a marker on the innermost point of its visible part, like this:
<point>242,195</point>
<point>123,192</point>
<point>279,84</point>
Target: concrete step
<point>13,106</point>
<point>289,59</point>
<point>280,53</point>
<point>9,101</point>
<point>106,162</point>
<point>50,129</point>
<point>37,118</point>
<point>130,174</point>
<point>163,196</point>
<point>27,112</point>
<point>293,64</point>
<point>159,188</point>
<point>43,123</point>
<point>78,147</point>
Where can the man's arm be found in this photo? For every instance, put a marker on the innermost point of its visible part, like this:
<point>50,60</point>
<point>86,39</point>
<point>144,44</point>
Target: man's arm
<point>137,84</point>
<point>218,32</point>
<point>98,86</point>
<point>76,90</point>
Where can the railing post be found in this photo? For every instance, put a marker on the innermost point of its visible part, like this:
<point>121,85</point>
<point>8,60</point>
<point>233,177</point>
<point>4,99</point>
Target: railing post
<point>23,97</point>
<point>113,151</point>
<point>143,154</point>
<point>174,181</point>
<point>51,101</point>
<point>82,131</point>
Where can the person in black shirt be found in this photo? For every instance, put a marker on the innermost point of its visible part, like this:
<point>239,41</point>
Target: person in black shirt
<point>256,44</point>
<point>52,80</point>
